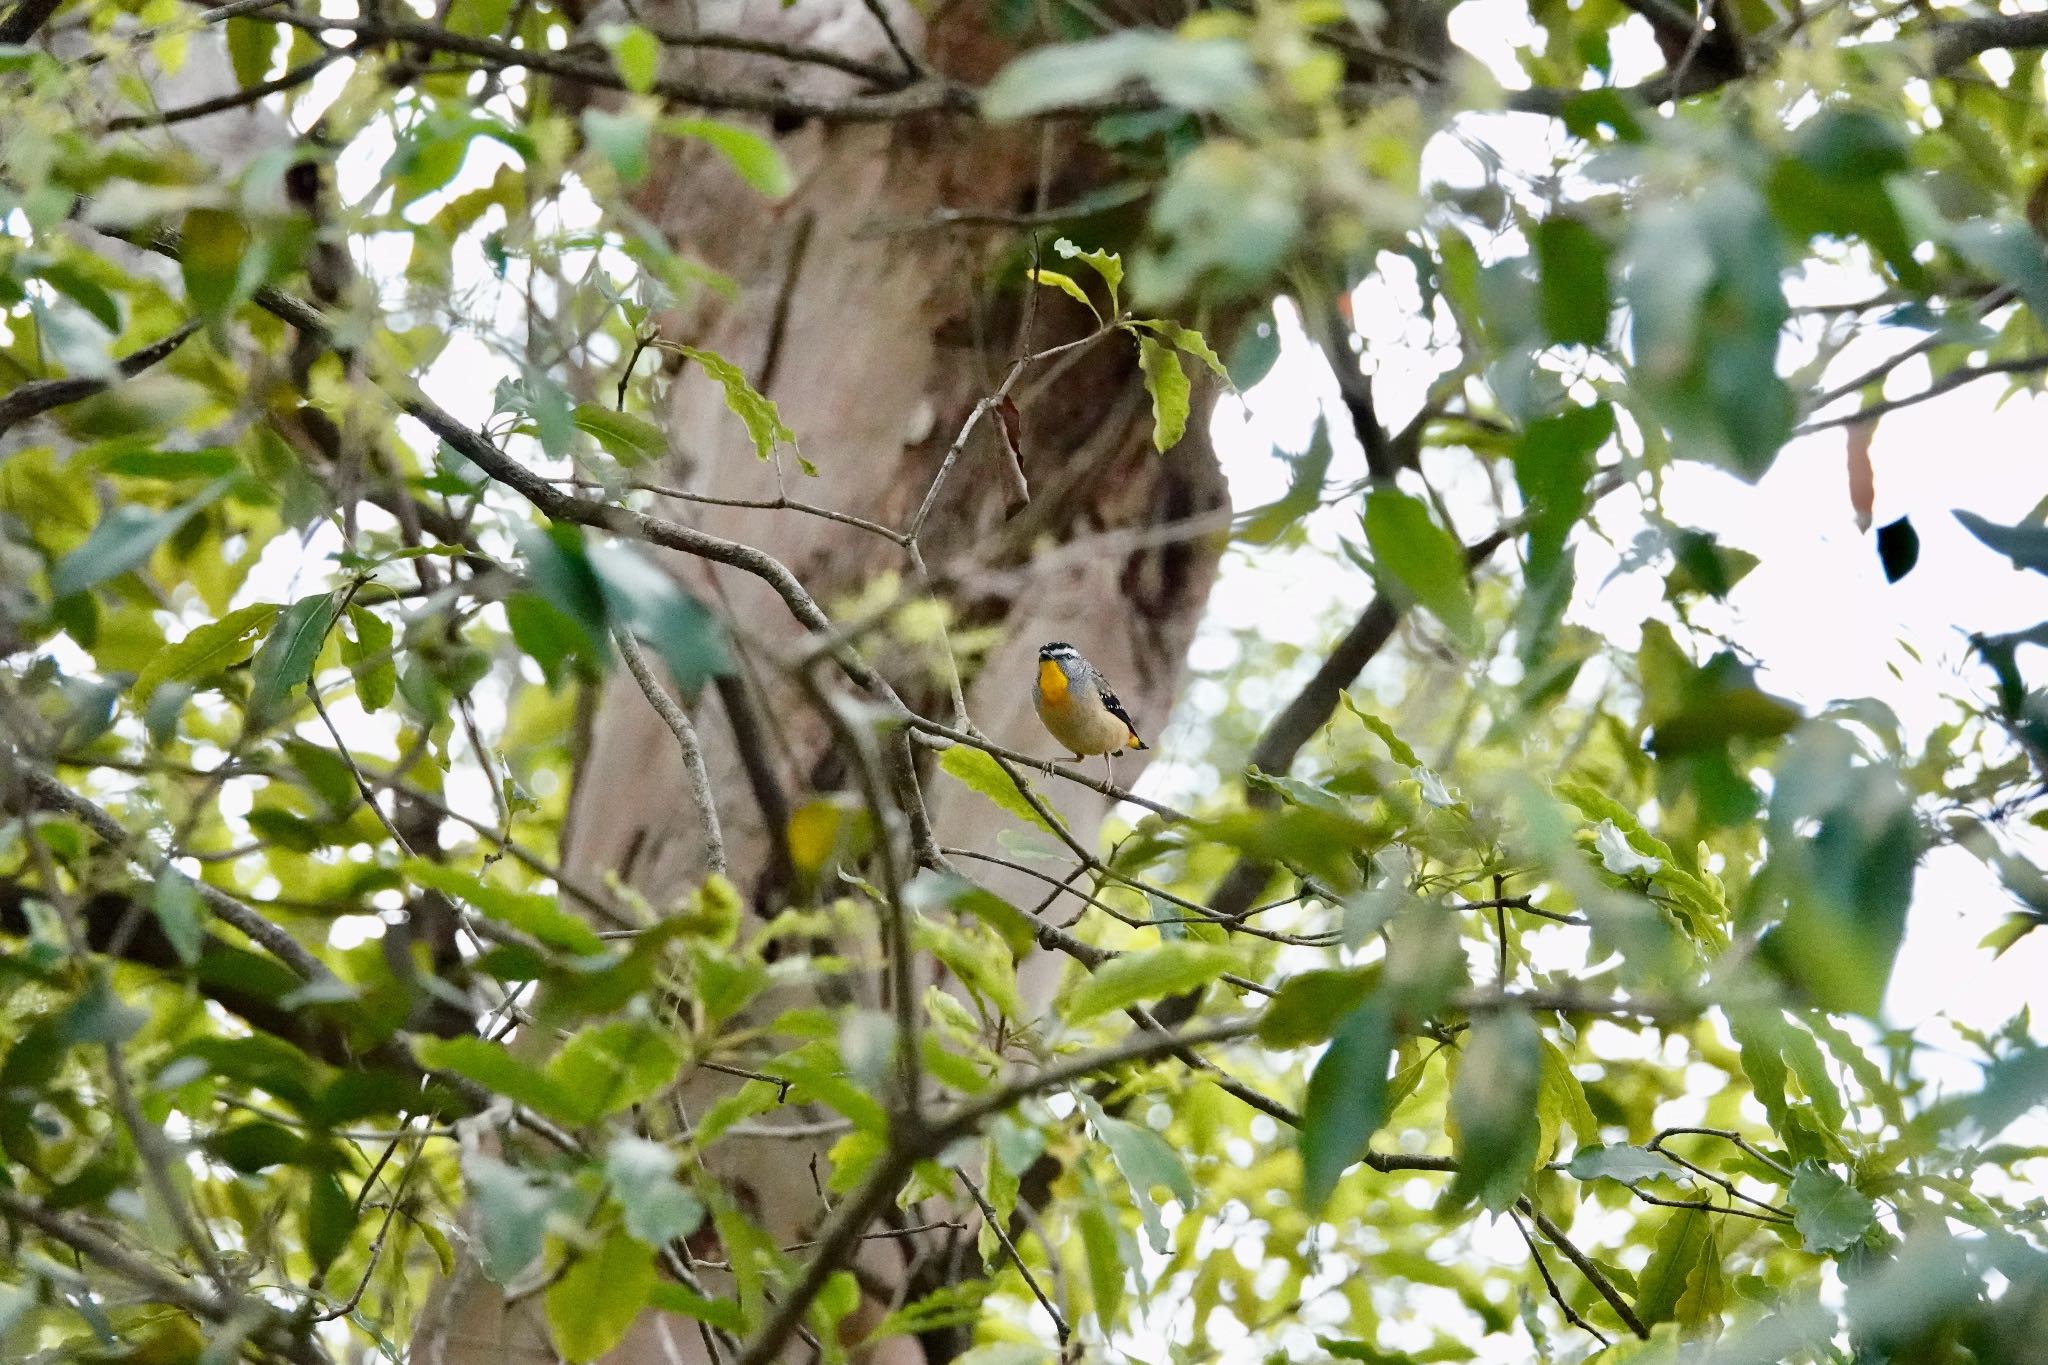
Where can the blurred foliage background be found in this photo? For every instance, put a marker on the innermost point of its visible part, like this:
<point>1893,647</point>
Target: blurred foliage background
<point>1523,1000</point>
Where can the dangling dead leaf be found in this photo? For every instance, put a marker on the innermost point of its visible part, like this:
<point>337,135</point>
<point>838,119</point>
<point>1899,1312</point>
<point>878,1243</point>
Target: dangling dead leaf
<point>1862,481</point>
<point>1016,488</point>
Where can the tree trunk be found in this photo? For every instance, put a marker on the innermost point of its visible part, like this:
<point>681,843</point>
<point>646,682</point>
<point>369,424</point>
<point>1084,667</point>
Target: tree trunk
<point>876,334</point>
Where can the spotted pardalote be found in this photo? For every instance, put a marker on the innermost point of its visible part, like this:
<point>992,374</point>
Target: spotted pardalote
<point>1078,706</point>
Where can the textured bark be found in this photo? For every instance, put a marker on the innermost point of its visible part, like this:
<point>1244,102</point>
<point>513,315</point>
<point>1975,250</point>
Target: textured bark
<point>876,343</point>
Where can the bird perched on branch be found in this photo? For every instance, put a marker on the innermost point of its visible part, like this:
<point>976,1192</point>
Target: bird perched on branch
<point>1076,703</point>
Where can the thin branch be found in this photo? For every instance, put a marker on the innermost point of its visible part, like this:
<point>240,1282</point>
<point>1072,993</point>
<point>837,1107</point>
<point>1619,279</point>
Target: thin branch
<point>995,1224</point>
<point>220,104</point>
<point>911,65</point>
<point>275,1335</point>
<point>1550,1283</point>
<point>685,733</point>
<point>1593,1273</point>
<point>1954,379</point>
<point>34,399</point>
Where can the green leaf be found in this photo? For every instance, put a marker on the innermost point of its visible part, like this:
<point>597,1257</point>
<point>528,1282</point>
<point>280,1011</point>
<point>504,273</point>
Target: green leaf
<point>1621,1162</point>
<point>1830,1213</point>
<point>366,649</point>
<point>511,1209</point>
<point>1396,746</point>
<point>1496,1130</point>
<point>1680,1242</point>
<point>660,613</point>
<point>1422,559</point>
<point>1107,264</point>
<point>178,911</point>
<point>207,650</point>
<point>757,161</point>
<point>1309,1006</point>
<point>628,439</point>
<point>657,1210</point>
<point>1067,285</point>
<point>595,1302</point>
<point>620,137</point>
<point>763,422</point>
<point>604,1068</point>
<point>1147,974</point>
<point>1146,1162</point>
<point>124,539</point>
<point>636,53</point>
<point>493,1066</point>
<point>531,913</point>
<point>256,1146</point>
<point>285,663</point>
<point>1167,382</point>
<point>330,1218</point>
<point>252,44</point>
<point>1347,1100</point>
<point>984,776</point>
<point>1187,73</point>
<point>1575,296</point>
<point>1706,306</point>
<point>2009,252</point>
<point>211,248</point>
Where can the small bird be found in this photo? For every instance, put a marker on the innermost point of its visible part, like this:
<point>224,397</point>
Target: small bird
<point>1077,705</point>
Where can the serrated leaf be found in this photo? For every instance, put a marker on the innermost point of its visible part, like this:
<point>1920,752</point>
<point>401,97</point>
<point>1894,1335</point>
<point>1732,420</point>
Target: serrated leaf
<point>604,1068</point>
<point>758,414</point>
<point>595,1302</point>
<point>1396,746</point>
<point>207,649</point>
<point>1347,1100</point>
<point>1167,383</point>
<point>1680,1242</point>
<point>1830,1213</point>
<point>1146,1162</point>
<point>628,439</point>
<point>1422,560</point>
<point>1147,974</point>
<point>985,777</point>
<point>1107,264</point>
<point>285,662</point>
<point>1620,1162</point>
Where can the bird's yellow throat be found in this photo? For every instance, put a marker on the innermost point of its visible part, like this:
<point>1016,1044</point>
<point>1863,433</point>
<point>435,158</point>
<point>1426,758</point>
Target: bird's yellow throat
<point>1052,680</point>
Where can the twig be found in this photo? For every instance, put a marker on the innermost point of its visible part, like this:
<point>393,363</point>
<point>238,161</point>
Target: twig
<point>1550,1283</point>
<point>33,399</point>
<point>219,104</point>
<point>1593,1273</point>
<point>995,1224</point>
<point>685,734</point>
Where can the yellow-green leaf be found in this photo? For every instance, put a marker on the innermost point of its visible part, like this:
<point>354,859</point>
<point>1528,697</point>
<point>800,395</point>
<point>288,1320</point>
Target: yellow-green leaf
<point>1149,974</point>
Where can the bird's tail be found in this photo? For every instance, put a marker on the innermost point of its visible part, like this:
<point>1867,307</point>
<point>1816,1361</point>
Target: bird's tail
<point>1137,743</point>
